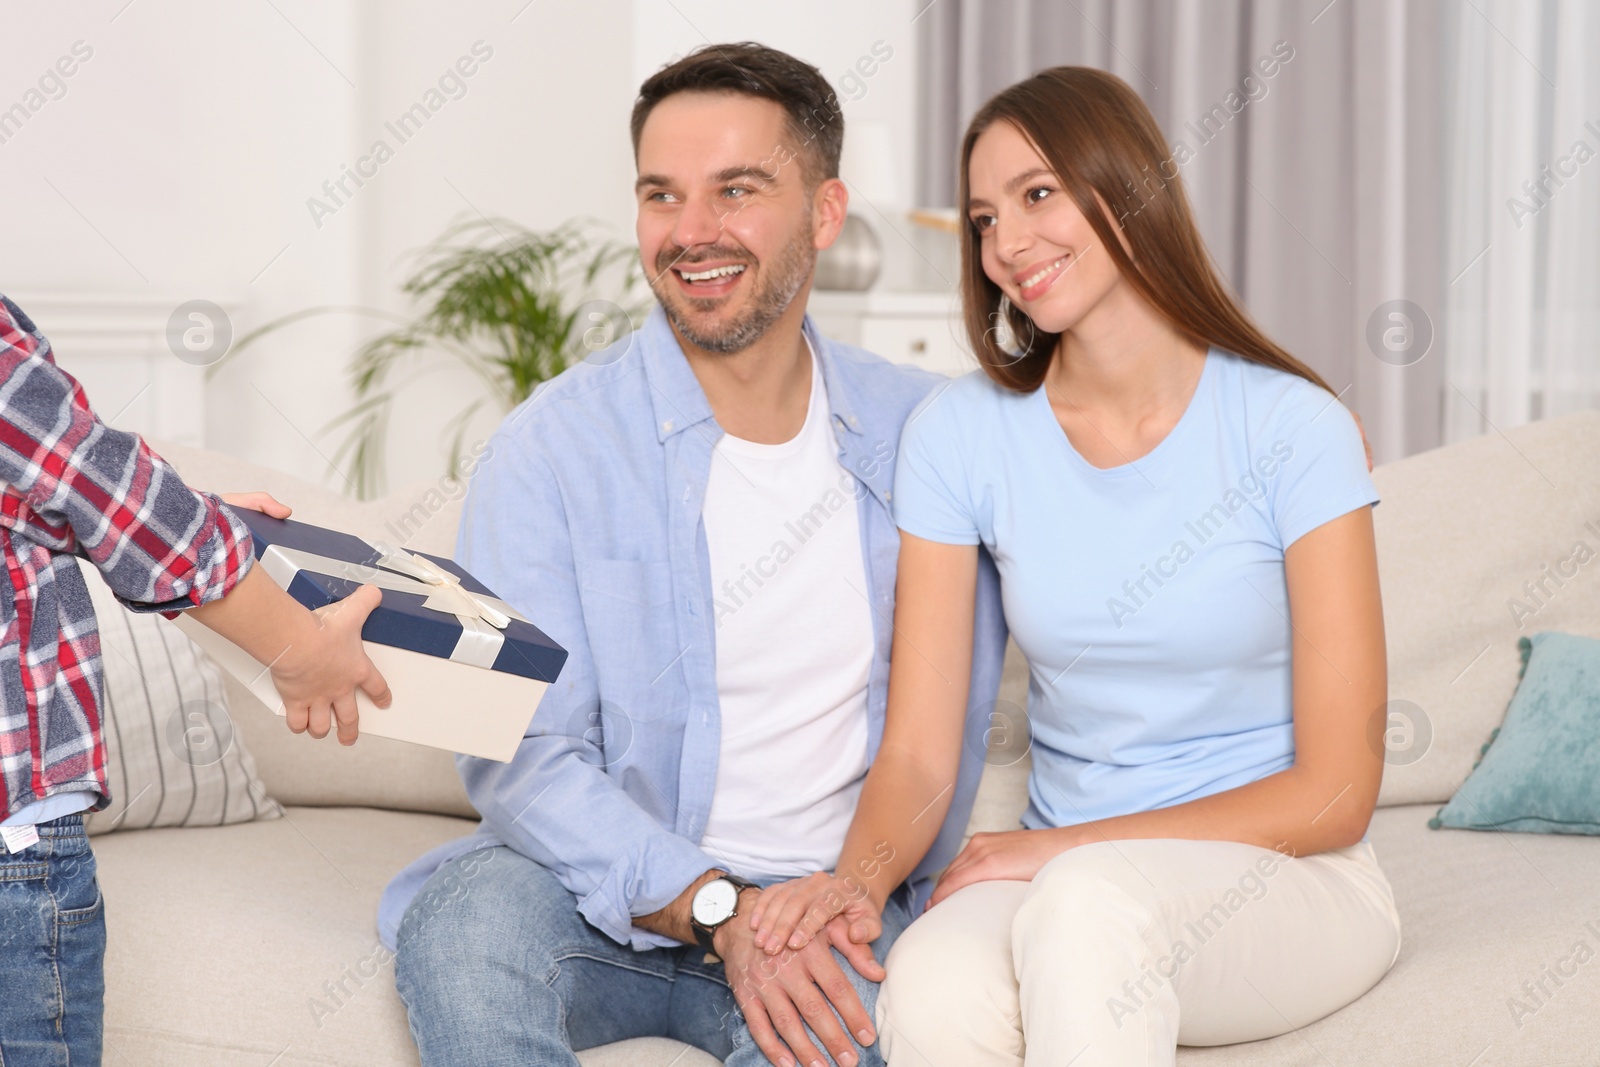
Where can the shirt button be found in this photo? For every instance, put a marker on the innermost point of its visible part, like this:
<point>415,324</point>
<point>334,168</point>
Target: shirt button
<point>666,427</point>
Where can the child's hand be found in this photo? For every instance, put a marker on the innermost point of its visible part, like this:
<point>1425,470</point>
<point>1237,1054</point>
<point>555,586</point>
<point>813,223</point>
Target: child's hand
<point>265,503</point>
<point>316,658</point>
<point>318,677</point>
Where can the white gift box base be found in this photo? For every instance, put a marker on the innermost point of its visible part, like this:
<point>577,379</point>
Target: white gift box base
<point>437,702</point>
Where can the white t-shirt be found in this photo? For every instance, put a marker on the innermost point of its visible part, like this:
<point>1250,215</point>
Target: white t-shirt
<point>794,649</point>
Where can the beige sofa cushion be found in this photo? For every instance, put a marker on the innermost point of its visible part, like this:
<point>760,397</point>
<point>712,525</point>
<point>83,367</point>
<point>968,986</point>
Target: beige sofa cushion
<point>221,941</point>
<point>1481,913</point>
<point>172,757</point>
<point>375,772</point>
<point>1460,530</point>
<point>254,944</point>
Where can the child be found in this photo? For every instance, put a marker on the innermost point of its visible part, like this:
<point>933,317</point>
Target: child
<point>74,486</point>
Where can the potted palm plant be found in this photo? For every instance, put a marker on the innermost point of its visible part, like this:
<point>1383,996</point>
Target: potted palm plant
<point>514,306</point>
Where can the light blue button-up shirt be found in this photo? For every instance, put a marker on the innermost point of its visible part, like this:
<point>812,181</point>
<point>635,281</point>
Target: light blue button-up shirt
<point>584,515</point>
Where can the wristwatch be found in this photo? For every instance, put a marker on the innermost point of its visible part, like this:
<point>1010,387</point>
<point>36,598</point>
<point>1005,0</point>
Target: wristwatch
<point>714,904</point>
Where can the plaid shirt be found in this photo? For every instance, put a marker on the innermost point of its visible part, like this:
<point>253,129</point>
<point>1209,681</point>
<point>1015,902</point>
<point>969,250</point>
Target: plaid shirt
<point>74,486</point>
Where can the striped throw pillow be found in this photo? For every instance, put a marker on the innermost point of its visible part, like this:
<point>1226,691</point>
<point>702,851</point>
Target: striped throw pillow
<point>172,755</point>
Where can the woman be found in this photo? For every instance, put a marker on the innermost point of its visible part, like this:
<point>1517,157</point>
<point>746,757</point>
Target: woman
<point>1181,515</point>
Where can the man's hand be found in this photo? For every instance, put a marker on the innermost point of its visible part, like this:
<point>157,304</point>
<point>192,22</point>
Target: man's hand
<point>781,995</point>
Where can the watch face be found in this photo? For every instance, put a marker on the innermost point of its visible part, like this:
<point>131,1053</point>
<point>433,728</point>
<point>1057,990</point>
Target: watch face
<point>715,902</point>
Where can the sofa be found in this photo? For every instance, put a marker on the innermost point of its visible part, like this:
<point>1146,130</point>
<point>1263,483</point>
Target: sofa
<point>255,944</point>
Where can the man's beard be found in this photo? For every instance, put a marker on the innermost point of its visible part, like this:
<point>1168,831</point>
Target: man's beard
<point>776,290</point>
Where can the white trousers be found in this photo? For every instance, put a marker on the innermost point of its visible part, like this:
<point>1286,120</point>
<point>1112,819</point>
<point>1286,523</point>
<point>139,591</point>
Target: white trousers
<point>1118,952</point>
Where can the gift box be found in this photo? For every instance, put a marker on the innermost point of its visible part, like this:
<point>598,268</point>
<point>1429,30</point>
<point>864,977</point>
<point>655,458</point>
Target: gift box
<point>465,668</point>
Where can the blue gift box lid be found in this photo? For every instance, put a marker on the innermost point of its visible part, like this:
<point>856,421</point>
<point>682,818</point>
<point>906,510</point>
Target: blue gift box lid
<point>401,620</point>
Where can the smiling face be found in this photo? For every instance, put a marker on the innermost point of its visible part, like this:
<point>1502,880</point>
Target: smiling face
<point>726,227</point>
<point>1033,241</point>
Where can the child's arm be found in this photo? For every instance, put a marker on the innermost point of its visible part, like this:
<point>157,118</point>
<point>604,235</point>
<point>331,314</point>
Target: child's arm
<point>74,484</point>
<point>273,627</point>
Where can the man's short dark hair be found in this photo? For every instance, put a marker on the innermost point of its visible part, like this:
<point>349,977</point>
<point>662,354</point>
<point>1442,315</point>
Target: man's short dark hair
<point>815,120</point>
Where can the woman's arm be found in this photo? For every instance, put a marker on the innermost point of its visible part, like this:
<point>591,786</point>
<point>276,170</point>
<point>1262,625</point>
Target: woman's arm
<point>908,788</point>
<point>1325,800</point>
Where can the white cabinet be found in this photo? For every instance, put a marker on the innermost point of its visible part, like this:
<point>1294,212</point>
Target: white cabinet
<point>924,329</point>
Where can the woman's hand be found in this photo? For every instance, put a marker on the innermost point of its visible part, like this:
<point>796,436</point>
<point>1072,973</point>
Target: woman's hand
<point>789,914</point>
<point>1014,856</point>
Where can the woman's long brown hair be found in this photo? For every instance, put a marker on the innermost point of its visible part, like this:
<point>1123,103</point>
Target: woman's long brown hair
<point>1100,139</point>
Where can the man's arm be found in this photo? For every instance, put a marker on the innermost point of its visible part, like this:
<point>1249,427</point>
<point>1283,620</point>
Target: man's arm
<point>553,802</point>
<point>673,920</point>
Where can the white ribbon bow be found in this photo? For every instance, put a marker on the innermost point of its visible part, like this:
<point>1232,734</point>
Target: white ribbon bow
<point>482,617</point>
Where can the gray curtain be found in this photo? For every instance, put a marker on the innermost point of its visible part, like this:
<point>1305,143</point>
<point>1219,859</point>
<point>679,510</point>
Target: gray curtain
<point>1318,189</point>
<point>1523,224</point>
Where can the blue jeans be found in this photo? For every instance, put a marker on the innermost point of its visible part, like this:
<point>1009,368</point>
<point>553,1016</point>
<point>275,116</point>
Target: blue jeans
<point>496,967</point>
<point>52,950</point>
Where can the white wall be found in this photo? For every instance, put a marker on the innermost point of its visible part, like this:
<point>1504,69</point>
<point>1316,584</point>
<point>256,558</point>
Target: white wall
<point>540,138</point>
<point>190,142</point>
<point>168,171</point>
<point>188,146</point>
<point>191,139</point>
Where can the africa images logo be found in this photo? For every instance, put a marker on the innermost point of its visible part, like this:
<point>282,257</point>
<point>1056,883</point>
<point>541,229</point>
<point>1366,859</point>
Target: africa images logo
<point>1202,528</point>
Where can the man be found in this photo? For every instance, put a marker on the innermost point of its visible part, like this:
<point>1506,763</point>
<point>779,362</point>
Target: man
<point>701,516</point>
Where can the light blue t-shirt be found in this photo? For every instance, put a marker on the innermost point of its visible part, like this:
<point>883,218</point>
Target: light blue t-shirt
<point>1149,598</point>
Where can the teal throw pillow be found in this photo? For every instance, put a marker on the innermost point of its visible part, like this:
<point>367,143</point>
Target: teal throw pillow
<point>1540,771</point>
